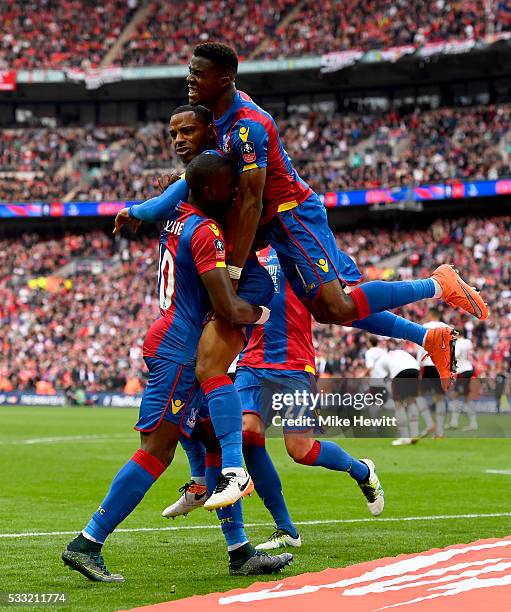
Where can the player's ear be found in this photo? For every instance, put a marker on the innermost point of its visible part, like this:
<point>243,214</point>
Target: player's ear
<point>226,80</point>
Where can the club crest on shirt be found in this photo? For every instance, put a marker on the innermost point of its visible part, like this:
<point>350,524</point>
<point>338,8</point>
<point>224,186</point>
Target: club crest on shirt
<point>248,152</point>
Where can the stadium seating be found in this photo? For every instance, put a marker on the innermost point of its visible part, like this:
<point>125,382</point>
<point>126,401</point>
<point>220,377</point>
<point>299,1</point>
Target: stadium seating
<point>56,34</point>
<point>339,152</point>
<point>79,33</point>
<point>99,316</point>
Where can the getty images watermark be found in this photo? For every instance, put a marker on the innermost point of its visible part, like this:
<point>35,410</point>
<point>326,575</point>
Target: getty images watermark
<point>369,408</point>
<point>302,408</point>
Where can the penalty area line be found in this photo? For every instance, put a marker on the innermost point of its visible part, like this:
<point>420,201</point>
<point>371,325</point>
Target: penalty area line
<point>437,517</point>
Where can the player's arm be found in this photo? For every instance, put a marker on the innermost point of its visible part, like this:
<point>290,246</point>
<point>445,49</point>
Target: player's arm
<point>155,209</point>
<point>226,304</point>
<point>208,252</point>
<point>249,143</point>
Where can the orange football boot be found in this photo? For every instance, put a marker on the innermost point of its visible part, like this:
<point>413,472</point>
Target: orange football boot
<point>457,293</point>
<point>440,343</point>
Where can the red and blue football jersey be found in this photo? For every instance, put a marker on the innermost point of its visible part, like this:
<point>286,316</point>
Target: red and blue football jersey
<point>284,342</point>
<point>250,135</point>
<point>190,245</point>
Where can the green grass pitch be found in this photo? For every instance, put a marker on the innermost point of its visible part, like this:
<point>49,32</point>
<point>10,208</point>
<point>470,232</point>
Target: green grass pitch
<point>52,483</point>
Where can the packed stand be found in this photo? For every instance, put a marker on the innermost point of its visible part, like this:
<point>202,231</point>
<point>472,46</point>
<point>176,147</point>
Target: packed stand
<point>98,321</point>
<point>332,152</point>
<point>46,34</point>
<point>350,24</point>
<point>172,30</point>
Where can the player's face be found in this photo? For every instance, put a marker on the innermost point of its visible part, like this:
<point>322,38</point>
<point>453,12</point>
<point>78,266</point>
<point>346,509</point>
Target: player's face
<point>189,136</point>
<point>221,191</point>
<point>205,81</point>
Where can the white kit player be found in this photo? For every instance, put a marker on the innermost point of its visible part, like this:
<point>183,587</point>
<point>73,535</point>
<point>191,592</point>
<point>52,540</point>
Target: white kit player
<point>464,372</point>
<point>431,391</point>
<point>402,369</point>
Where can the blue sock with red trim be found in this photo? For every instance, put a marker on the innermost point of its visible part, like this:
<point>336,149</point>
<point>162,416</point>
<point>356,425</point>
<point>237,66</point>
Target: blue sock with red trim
<point>331,456</point>
<point>266,480</point>
<point>377,296</point>
<point>231,517</point>
<point>389,324</point>
<point>226,416</point>
<point>196,454</point>
<point>126,491</point>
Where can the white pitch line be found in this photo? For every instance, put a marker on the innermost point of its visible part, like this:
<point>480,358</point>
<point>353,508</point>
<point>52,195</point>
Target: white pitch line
<point>438,517</point>
<point>54,439</point>
<point>504,472</point>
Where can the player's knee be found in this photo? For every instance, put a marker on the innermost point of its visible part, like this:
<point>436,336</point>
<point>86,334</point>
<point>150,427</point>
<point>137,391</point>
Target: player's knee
<point>337,308</point>
<point>298,448</point>
<point>252,423</point>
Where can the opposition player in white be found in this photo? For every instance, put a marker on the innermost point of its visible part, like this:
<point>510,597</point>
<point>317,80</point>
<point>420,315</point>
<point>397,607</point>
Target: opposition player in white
<point>402,369</point>
<point>461,392</point>
<point>431,388</point>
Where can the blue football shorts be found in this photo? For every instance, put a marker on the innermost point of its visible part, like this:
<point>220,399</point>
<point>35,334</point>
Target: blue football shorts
<point>307,251</point>
<point>172,394</point>
<point>262,392</point>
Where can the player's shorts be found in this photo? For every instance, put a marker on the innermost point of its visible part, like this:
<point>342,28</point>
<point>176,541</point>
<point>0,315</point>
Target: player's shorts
<point>261,392</point>
<point>256,285</point>
<point>430,382</point>
<point>307,251</point>
<point>172,394</point>
<point>405,385</point>
<point>463,383</point>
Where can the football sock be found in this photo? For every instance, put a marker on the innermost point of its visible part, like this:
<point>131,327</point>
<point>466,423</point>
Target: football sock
<point>389,324</point>
<point>413,420</point>
<point>425,412</point>
<point>440,412</point>
<point>196,454</point>
<point>333,457</point>
<point>376,296</point>
<point>126,491</point>
<point>231,517</point>
<point>266,480</point>
<point>402,421</point>
<point>226,416</point>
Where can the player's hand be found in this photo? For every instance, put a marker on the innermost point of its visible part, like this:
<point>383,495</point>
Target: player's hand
<point>123,219</point>
<point>166,180</point>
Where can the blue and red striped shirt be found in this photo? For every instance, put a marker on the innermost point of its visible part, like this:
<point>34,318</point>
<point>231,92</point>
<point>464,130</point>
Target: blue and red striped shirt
<point>251,136</point>
<point>191,244</point>
<point>284,342</point>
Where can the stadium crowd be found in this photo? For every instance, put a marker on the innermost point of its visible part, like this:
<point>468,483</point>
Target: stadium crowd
<point>79,33</point>
<point>40,34</point>
<point>350,24</point>
<point>97,317</point>
<point>333,152</point>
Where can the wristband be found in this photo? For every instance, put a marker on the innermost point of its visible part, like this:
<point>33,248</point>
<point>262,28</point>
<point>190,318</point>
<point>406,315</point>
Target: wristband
<point>264,316</point>
<point>234,272</point>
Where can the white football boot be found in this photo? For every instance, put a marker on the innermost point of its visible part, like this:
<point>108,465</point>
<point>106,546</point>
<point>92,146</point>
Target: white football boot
<point>280,539</point>
<point>193,497</point>
<point>229,488</point>
<point>373,490</point>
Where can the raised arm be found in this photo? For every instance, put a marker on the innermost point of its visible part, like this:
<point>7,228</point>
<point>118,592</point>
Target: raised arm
<point>155,209</point>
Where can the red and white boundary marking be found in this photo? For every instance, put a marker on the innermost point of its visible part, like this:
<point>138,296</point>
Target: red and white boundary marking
<point>464,577</point>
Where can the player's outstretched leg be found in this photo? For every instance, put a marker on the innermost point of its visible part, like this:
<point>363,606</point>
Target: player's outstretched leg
<point>268,486</point>
<point>244,559</point>
<point>331,456</point>
<point>439,342</point>
<point>194,492</point>
<point>129,486</point>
